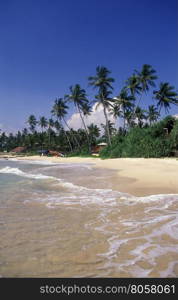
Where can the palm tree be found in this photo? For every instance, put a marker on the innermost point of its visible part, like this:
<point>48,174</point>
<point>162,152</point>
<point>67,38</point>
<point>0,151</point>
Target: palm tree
<point>116,111</point>
<point>128,116</point>
<point>24,131</point>
<point>165,96</point>
<point>112,129</point>
<point>60,110</point>
<point>146,80</point>
<point>70,129</point>
<point>57,126</point>
<point>3,141</point>
<point>140,115</point>
<point>78,97</point>
<point>24,135</point>
<point>86,109</point>
<point>133,85</point>
<point>146,77</point>
<point>32,123</point>
<point>94,132</point>
<point>43,123</point>
<point>103,83</point>
<point>51,124</point>
<point>152,114</point>
<point>125,101</point>
<point>82,135</point>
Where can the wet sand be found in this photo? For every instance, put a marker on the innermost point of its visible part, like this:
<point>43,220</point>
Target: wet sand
<point>51,228</point>
<point>136,176</point>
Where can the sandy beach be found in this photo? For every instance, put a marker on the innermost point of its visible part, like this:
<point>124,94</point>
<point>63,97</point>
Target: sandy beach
<point>73,219</point>
<point>136,176</point>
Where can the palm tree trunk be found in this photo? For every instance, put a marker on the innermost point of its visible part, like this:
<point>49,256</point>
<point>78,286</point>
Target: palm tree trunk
<point>70,146</point>
<point>107,127</point>
<point>137,103</point>
<point>87,135</point>
<point>49,136</point>
<point>42,139</point>
<point>68,141</point>
<point>73,136</point>
<point>124,118</point>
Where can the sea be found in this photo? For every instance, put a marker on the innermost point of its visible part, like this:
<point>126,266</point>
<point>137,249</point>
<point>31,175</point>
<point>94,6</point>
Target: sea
<point>70,220</point>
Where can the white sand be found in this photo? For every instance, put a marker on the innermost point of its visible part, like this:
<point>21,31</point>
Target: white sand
<point>149,176</point>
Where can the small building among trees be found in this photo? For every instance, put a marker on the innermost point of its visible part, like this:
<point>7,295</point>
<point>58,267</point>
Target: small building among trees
<point>99,147</point>
<point>19,150</point>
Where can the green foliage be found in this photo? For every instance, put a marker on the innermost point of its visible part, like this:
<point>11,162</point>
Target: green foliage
<point>156,141</point>
<point>139,136</point>
<point>82,153</point>
<point>105,152</point>
<point>174,136</point>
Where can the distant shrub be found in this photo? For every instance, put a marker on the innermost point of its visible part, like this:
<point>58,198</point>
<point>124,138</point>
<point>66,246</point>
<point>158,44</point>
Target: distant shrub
<point>116,152</point>
<point>83,152</point>
<point>105,152</point>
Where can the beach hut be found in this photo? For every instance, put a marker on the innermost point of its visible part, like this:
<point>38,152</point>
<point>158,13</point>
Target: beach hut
<point>99,147</point>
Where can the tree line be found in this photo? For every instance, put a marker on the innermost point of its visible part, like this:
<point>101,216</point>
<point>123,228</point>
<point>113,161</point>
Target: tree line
<point>56,133</point>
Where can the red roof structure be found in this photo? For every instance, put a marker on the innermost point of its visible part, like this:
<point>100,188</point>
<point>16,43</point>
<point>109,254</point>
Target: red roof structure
<point>19,149</point>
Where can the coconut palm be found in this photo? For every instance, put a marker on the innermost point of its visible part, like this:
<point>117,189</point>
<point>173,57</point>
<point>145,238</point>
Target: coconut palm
<point>133,85</point>
<point>72,133</point>
<point>32,121</point>
<point>24,136</point>
<point>125,101</point>
<point>50,126</point>
<point>25,131</point>
<point>50,123</point>
<point>60,110</point>
<point>43,123</point>
<point>140,115</point>
<point>129,119</point>
<point>112,129</point>
<point>86,109</point>
<point>146,79</point>
<point>165,96</point>
<point>94,132</point>
<point>81,134</point>
<point>103,83</point>
<point>152,114</point>
<point>116,111</point>
<point>57,126</point>
<point>79,98</point>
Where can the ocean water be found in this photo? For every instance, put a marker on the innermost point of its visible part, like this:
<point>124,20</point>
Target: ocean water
<point>70,220</point>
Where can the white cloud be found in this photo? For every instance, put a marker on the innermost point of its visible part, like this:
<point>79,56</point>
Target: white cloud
<point>96,117</point>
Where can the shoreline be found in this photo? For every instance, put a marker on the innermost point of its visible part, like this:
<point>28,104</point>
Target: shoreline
<point>135,176</point>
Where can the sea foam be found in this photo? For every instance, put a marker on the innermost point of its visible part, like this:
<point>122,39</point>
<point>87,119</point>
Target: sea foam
<point>88,195</point>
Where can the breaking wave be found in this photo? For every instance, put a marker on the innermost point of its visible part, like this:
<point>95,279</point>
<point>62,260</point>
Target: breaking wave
<point>84,195</point>
<point>140,232</point>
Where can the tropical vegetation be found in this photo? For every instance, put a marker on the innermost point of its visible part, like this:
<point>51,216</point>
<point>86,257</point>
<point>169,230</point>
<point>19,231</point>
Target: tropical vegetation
<point>141,131</point>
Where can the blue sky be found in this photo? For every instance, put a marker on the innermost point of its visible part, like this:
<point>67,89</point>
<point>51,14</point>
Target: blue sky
<point>46,46</point>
